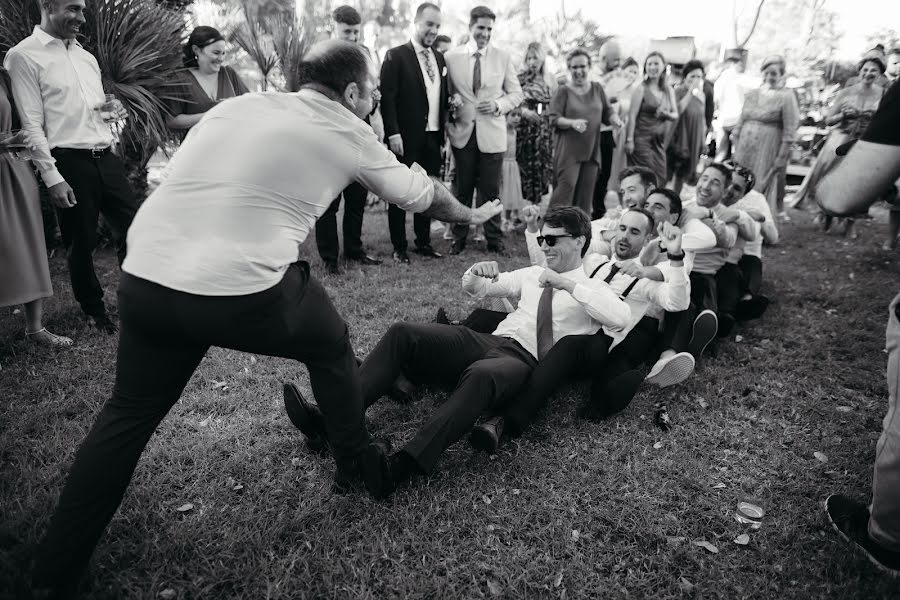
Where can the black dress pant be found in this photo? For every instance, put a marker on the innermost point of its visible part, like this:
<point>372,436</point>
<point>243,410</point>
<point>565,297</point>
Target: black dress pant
<point>704,292</point>
<point>354,196</point>
<point>100,187</point>
<point>429,158</point>
<point>483,370</point>
<point>164,335</point>
<point>751,274</point>
<point>729,290</point>
<point>677,329</point>
<point>475,168</point>
<point>607,147</point>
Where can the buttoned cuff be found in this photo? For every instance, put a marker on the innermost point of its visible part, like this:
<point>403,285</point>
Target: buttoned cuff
<point>51,177</point>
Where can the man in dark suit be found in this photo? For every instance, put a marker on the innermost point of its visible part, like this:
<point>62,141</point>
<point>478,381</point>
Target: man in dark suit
<point>414,108</point>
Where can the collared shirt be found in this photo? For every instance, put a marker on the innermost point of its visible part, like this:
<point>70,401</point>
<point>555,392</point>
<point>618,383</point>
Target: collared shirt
<point>432,88</point>
<point>709,261</point>
<point>592,304</point>
<point>768,232</point>
<point>645,296</point>
<point>472,48</point>
<point>729,91</point>
<point>247,185</point>
<point>57,87</point>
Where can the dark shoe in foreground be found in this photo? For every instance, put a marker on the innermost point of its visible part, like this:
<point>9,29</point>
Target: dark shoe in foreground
<point>705,327</point>
<point>671,370</point>
<point>369,467</point>
<point>486,436</point>
<point>457,248</point>
<point>726,325</point>
<point>364,259</point>
<point>332,267</point>
<point>400,256</point>
<point>428,252</point>
<point>403,391</point>
<point>402,469</point>
<point>851,520</point>
<point>104,324</point>
<point>753,308</point>
<point>616,396</point>
<point>306,417</point>
<point>441,317</point>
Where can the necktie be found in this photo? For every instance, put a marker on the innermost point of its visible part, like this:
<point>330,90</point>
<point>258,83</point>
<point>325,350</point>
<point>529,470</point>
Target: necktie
<point>545,323</point>
<point>476,74</point>
<point>429,68</point>
<point>612,273</point>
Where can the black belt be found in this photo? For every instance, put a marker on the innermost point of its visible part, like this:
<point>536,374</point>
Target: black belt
<point>92,152</point>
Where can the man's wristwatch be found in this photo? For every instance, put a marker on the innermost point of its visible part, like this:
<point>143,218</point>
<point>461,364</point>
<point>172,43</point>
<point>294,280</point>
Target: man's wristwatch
<point>675,257</point>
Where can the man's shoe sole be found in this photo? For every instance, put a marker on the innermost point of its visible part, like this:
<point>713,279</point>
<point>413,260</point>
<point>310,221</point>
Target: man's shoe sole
<point>484,440</point>
<point>676,370</point>
<point>705,327</point>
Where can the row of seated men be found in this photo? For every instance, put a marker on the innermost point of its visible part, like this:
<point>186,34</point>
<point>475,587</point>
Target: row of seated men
<point>655,283</point>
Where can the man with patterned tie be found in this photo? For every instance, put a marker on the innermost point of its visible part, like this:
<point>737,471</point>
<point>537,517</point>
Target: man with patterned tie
<point>484,80</point>
<point>485,370</point>
<point>414,109</point>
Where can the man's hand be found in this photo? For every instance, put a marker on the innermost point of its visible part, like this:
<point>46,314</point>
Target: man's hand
<point>488,269</point>
<point>62,195</point>
<point>755,215</point>
<point>728,215</point>
<point>395,142</point>
<point>488,107</point>
<point>531,215</point>
<point>550,278</point>
<point>671,236</point>
<point>633,269</point>
<point>486,212</point>
<point>616,122</point>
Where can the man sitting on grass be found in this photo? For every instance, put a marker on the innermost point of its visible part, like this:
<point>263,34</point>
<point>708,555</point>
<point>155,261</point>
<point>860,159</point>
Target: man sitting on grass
<point>485,370</point>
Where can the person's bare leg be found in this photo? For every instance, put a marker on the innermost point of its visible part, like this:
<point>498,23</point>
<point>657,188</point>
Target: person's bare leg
<point>34,327</point>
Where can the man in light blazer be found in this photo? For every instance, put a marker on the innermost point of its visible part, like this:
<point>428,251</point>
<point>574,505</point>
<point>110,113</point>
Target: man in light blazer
<point>484,79</point>
<point>414,110</point>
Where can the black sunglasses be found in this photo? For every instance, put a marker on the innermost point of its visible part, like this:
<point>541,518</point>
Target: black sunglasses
<point>551,239</point>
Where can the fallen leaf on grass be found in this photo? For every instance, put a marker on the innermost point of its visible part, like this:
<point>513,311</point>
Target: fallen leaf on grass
<point>167,594</point>
<point>820,456</point>
<point>742,539</point>
<point>719,486</point>
<point>702,402</point>
<point>575,535</point>
<point>844,409</point>
<point>657,445</point>
<point>185,507</point>
<point>238,487</point>
<point>485,498</point>
<point>516,491</point>
<point>675,540</point>
<point>558,581</point>
<point>707,546</point>
<point>684,585</point>
<point>494,587</point>
<point>738,338</point>
<point>295,461</point>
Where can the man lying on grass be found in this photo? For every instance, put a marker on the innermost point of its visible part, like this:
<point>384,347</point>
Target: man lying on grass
<point>485,370</point>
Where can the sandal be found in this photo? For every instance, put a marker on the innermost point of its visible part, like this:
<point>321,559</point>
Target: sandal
<point>42,336</point>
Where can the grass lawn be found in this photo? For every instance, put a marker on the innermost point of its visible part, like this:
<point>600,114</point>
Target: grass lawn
<point>571,510</point>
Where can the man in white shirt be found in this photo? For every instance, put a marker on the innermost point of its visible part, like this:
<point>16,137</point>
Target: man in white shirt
<point>486,370</point>
<point>346,23</point>
<point>213,261</point>
<point>414,108</point>
<point>57,88</point>
<point>610,356</point>
<point>484,79</point>
<point>728,92</point>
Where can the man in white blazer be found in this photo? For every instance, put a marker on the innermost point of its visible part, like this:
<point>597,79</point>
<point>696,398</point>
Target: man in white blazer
<point>485,84</point>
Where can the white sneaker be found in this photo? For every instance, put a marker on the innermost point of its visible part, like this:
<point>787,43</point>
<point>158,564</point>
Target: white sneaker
<point>671,370</point>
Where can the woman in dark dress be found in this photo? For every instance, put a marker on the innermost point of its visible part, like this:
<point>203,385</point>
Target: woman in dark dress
<point>653,108</point>
<point>690,129</point>
<point>534,150</point>
<point>205,81</point>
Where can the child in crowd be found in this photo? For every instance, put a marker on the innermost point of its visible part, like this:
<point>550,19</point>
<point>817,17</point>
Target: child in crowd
<point>511,179</point>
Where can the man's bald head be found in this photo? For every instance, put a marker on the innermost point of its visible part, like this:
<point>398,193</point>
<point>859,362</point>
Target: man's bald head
<point>343,68</point>
<point>610,55</point>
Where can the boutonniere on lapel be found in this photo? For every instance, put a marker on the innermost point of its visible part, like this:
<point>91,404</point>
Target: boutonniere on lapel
<point>453,104</point>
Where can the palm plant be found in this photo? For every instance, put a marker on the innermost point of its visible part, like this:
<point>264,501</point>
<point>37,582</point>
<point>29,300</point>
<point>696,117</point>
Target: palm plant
<point>253,39</point>
<point>137,44</point>
<point>291,41</point>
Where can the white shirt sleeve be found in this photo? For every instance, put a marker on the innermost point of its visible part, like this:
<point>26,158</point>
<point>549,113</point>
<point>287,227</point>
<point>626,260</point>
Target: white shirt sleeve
<point>672,295</point>
<point>696,236</point>
<point>508,284</point>
<point>26,90</point>
<point>410,188</point>
<point>535,252</point>
<point>603,304</point>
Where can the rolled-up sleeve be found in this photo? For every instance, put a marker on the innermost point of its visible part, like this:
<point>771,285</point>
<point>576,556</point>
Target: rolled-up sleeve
<point>508,284</point>
<point>410,188</point>
<point>26,90</point>
<point>603,304</point>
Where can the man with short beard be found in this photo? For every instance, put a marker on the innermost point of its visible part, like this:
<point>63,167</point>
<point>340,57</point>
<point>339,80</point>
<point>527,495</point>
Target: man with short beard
<point>57,87</point>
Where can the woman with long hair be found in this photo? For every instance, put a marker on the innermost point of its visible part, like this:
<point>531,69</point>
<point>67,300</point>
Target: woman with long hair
<point>534,149</point>
<point>849,116</point>
<point>23,255</point>
<point>690,130</point>
<point>765,132</point>
<point>653,109</point>
<point>577,111</point>
<point>205,81</point>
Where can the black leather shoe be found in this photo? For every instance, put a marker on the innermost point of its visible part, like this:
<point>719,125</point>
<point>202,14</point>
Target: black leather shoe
<point>752,308</point>
<point>400,256</point>
<point>457,248</point>
<point>428,252</point>
<point>306,417</point>
<point>332,267</point>
<point>403,391</point>
<point>369,467</point>
<point>402,468</point>
<point>441,317</point>
<point>486,436</point>
<point>364,259</point>
<point>104,324</point>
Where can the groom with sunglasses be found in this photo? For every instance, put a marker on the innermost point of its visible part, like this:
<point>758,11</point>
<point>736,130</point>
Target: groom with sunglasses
<point>486,370</point>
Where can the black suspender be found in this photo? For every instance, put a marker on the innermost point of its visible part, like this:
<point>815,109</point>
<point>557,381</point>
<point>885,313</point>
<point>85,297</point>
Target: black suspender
<point>600,266</point>
<point>627,291</point>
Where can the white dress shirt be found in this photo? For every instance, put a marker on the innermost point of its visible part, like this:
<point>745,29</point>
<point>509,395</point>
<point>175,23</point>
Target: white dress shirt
<point>56,87</point>
<point>247,185</point>
<point>709,261</point>
<point>592,305</point>
<point>656,297</point>
<point>753,200</point>
<point>728,92</point>
<point>432,88</point>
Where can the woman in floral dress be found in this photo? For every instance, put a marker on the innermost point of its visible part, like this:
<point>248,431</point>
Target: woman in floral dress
<point>534,152</point>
